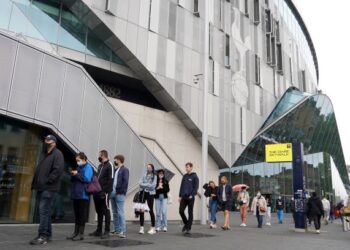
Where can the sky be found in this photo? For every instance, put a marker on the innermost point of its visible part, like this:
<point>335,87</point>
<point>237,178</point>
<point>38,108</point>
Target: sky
<point>328,23</point>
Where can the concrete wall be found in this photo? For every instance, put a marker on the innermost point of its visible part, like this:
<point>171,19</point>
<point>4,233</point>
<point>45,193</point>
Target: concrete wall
<point>178,143</point>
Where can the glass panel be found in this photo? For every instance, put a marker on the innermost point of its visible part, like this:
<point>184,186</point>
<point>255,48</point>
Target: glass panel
<point>45,17</point>
<point>5,14</point>
<point>72,32</point>
<point>96,47</point>
<point>18,22</point>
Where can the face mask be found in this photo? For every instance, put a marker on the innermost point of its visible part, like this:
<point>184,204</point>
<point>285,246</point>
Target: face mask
<point>149,171</point>
<point>80,163</point>
<point>46,146</point>
<point>258,194</point>
<point>161,176</point>
<point>279,198</point>
<point>100,159</point>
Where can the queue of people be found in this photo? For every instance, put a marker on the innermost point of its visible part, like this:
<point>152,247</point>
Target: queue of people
<point>109,185</point>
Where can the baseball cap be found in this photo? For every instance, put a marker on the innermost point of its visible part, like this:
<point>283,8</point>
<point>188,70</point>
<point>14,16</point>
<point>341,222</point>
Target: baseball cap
<point>51,137</point>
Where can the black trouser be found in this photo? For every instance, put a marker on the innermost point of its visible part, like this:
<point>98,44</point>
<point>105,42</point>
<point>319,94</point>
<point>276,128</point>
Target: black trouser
<point>102,209</point>
<point>186,202</point>
<point>81,211</point>
<point>150,201</point>
<point>317,221</point>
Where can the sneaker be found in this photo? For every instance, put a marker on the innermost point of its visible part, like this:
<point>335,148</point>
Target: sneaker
<point>39,241</point>
<point>114,233</point>
<point>184,229</point>
<point>187,231</point>
<point>214,226</point>
<point>268,224</point>
<point>142,230</point>
<point>211,226</point>
<point>318,231</point>
<point>122,235</point>
<point>96,233</point>
<point>243,225</point>
<point>152,230</point>
<point>158,229</point>
<point>165,229</point>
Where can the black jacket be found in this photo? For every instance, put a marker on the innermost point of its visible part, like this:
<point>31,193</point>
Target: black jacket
<point>189,185</point>
<point>314,206</point>
<point>209,191</point>
<point>165,190</point>
<point>228,191</point>
<point>279,204</point>
<point>48,173</point>
<point>105,174</point>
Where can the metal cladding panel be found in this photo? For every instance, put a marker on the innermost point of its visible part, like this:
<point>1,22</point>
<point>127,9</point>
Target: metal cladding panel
<point>23,96</point>
<point>8,50</point>
<point>137,165</point>
<point>124,140</point>
<point>50,90</point>
<point>109,123</point>
<point>72,103</point>
<point>90,125</point>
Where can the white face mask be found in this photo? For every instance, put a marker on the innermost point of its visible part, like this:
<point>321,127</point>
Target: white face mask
<point>161,176</point>
<point>258,194</point>
<point>80,163</point>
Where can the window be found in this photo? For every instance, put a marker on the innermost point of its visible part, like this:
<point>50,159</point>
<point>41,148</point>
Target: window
<point>222,17</point>
<point>246,7</point>
<point>273,51</point>
<point>211,40</point>
<point>227,50</point>
<point>111,7</point>
<point>257,69</point>
<point>268,21</point>
<point>303,80</point>
<point>279,59</point>
<point>277,32</point>
<point>256,12</point>
<point>195,8</point>
<point>216,79</point>
<point>268,48</point>
<point>291,70</point>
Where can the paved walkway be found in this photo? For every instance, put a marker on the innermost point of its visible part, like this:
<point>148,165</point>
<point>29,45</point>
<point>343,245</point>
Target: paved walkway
<point>276,237</point>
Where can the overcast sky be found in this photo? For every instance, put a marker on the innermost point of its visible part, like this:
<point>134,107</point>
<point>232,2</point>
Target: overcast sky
<point>328,23</point>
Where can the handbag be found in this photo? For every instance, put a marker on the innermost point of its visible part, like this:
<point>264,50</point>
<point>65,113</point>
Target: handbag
<point>94,186</point>
<point>262,209</point>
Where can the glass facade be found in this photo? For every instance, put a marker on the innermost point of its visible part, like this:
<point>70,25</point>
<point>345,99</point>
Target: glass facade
<point>297,118</point>
<point>20,147</point>
<point>53,22</point>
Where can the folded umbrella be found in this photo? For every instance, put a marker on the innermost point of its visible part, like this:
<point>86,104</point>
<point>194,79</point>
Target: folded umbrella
<point>238,187</point>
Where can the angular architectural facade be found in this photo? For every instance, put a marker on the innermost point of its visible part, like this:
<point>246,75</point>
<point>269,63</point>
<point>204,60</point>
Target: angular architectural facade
<point>127,76</point>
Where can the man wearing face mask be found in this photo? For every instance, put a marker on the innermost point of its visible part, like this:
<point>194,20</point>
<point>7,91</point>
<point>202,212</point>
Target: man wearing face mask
<point>105,174</point>
<point>47,181</point>
<point>259,208</point>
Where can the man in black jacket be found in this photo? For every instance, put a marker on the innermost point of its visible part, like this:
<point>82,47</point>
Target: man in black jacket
<point>105,176</point>
<point>47,181</point>
<point>188,191</point>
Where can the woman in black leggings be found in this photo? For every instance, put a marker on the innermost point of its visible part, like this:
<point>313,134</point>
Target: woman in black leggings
<point>148,189</point>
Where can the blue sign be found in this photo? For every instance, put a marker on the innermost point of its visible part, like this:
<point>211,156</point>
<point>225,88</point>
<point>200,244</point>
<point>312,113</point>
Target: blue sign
<point>299,186</point>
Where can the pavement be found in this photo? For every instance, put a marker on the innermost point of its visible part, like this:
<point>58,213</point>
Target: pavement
<point>276,237</point>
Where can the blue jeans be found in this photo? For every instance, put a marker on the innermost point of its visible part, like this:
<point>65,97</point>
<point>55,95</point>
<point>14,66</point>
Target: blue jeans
<point>260,218</point>
<point>161,206</point>
<point>213,206</point>
<point>45,200</point>
<point>280,215</point>
<point>118,202</point>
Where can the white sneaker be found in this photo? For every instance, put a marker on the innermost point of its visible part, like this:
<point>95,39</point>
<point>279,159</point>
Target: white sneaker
<point>211,225</point>
<point>243,225</point>
<point>268,224</point>
<point>152,230</point>
<point>142,230</point>
<point>318,231</point>
<point>214,226</point>
<point>165,229</point>
<point>157,229</point>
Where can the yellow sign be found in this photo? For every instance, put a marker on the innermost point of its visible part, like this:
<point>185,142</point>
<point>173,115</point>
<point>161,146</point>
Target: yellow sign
<point>279,152</point>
